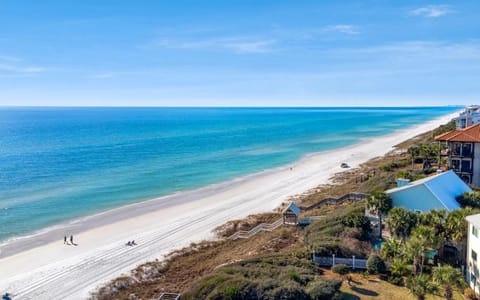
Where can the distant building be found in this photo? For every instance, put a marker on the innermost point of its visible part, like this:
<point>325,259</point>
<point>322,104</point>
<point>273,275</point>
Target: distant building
<point>470,116</point>
<point>463,152</point>
<point>473,250</point>
<point>435,192</point>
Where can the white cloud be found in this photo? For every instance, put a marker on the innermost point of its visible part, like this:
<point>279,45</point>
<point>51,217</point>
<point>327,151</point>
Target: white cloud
<point>14,65</point>
<point>237,45</point>
<point>105,75</point>
<point>431,11</point>
<point>417,49</point>
<point>342,28</point>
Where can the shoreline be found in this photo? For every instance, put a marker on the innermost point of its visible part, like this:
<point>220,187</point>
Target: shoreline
<point>184,217</point>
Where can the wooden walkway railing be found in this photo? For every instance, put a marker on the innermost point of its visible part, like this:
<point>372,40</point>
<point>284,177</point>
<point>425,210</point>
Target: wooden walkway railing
<point>261,227</point>
<point>306,220</point>
<point>332,200</point>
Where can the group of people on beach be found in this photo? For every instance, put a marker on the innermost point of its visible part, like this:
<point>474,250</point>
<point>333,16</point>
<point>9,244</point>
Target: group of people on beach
<point>71,240</point>
<point>131,243</point>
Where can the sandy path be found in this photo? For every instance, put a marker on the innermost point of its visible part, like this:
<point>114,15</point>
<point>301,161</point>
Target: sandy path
<point>57,271</point>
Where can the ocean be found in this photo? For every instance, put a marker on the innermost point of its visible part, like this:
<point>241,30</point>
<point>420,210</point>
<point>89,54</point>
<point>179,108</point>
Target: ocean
<point>58,164</point>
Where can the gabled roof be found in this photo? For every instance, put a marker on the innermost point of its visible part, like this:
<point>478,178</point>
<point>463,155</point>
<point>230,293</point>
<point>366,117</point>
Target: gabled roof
<point>444,187</point>
<point>293,208</point>
<point>469,134</point>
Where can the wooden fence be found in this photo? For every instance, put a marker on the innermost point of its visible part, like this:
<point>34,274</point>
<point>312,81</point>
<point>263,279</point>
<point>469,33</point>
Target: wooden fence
<point>332,200</point>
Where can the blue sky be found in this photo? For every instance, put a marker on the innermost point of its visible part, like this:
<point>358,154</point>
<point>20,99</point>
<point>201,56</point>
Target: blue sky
<point>239,53</point>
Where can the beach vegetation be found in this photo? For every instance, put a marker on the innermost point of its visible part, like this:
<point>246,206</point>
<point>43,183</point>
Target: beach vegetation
<point>274,277</point>
<point>375,264</point>
<point>379,203</point>
<point>420,286</point>
<point>401,222</point>
<point>471,199</point>
<point>343,232</point>
<point>341,269</point>
<point>448,278</point>
<point>444,128</point>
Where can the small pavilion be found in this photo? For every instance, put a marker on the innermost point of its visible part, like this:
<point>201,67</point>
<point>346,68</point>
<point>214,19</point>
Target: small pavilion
<point>290,214</point>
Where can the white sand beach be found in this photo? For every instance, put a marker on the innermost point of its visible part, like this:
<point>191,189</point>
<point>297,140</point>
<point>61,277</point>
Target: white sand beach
<point>42,267</point>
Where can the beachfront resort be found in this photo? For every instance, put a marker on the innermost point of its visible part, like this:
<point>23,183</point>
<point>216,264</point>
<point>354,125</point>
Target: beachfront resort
<point>231,150</point>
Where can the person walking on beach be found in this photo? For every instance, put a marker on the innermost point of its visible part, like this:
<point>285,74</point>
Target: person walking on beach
<point>65,239</point>
<point>71,239</point>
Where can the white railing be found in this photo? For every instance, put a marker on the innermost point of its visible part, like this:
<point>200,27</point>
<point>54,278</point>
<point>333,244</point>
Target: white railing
<point>169,296</point>
<point>354,263</point>
<point>261,227</point>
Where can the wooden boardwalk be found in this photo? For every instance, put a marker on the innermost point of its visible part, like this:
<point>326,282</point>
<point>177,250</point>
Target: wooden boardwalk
<point>303,221</point>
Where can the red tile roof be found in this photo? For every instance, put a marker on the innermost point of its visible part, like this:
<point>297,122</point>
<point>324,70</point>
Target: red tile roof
<point>469,134</point>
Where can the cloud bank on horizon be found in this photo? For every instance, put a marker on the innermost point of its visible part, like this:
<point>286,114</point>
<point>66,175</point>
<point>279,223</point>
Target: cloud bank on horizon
<point>239,53</point>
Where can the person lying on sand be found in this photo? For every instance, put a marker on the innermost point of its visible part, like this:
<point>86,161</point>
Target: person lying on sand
<point>132,243</point>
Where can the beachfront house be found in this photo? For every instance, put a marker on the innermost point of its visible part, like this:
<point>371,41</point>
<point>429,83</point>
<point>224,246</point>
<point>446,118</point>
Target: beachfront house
<point>473,250</point>
<point>470,116</point>
<point>435,192</point>
<point>463,152</point>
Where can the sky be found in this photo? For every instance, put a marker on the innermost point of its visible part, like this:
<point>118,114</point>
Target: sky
<point>239,53</point>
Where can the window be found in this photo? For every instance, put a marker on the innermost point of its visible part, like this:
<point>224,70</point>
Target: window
<point>467,149</point>
<point>474,231</point>
<point>473,279</point>
<point>474,255</point>
<point>455,164</point>
<point>456,149</point>
<point>466,166</point>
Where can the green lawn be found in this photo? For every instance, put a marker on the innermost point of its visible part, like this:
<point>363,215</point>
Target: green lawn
<point>374,288</point>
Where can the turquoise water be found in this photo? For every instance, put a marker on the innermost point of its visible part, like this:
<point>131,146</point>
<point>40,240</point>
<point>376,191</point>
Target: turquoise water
<point>57,164</point>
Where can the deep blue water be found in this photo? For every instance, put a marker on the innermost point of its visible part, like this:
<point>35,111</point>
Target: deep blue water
<point>62,163</point>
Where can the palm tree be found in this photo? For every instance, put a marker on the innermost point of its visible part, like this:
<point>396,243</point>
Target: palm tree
<point>399,268</point>
<point>448,278</point>
<point>379,203</point>
<point>427,235</point>
<point>414,151</point>
<point>401,221</point>
<point>392,248</point>
<point>420,286</point>
<point>457,229</point>
<point>414,250</point>
<point>437,219</point>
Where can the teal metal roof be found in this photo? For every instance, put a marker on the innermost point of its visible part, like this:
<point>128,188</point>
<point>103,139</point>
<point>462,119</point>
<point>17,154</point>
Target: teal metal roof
<point>435,192</point>
<point>292,207</point>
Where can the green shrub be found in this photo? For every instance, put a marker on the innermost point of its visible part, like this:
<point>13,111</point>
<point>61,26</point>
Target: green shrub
<point>359,221</point>
<point>340,269</point>
<point>389,167</point>
<point>375,264</point>
<point>397,281</point>
<point>405,174</point>
<point>288,293</point>
<point>429,171</point>
<point>327,289</point>
<point>294,276</point>
<point>233,293</point>
<point>469,199</point>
